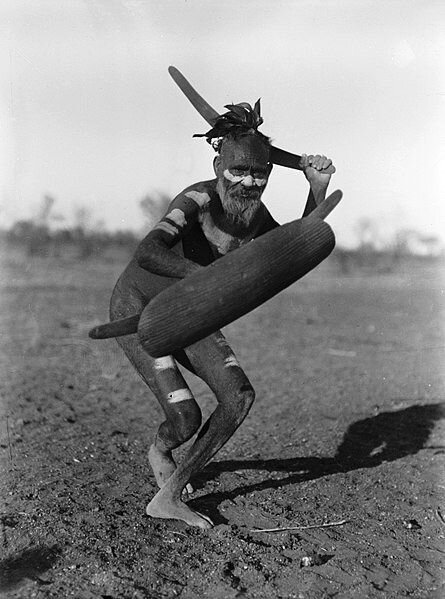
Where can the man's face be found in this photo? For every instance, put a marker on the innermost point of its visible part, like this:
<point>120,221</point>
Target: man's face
<point>242,170</point>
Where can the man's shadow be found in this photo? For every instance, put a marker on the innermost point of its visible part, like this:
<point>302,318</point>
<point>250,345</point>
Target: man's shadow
<point>366,444</point>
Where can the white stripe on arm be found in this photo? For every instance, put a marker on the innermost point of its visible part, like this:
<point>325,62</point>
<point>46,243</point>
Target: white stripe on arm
<point>166,227</point>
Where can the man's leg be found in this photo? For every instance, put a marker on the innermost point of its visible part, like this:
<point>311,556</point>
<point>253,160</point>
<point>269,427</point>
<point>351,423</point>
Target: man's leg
<point>183,416</point>
<point>213,361</point>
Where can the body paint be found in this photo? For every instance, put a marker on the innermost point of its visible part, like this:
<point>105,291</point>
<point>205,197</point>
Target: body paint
<point>222,241</point>
<point>177,216</point>
<point>221,340</point>
<point>167,227</point>
<point>179,395</point>
<point>231,361</point>
<point>164,363</point>
<point>202,199</point>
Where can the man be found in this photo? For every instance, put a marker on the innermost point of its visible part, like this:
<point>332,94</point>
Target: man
<point>204,222</point>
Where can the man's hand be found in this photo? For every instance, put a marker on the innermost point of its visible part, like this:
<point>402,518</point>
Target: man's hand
<point>317,170</point>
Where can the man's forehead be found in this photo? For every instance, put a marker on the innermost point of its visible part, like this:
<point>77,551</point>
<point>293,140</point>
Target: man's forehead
<point>248,149</point>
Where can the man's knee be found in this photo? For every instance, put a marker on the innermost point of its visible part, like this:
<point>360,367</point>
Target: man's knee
<point>240,402</point>
<point>187,422</point>
<point>124,302</point>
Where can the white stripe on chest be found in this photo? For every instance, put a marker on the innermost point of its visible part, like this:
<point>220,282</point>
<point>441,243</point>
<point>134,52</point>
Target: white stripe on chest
<point>222,241</point>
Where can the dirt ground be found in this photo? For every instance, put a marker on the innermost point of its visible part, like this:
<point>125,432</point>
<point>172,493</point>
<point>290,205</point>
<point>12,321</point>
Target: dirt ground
<point>347,429</point>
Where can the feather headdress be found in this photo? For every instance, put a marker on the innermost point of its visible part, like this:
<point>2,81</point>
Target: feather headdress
<point>240,118</point>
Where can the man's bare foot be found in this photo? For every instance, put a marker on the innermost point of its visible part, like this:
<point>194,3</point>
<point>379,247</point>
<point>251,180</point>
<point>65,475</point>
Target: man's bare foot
<point>163,466</point>
<point>162,506</point>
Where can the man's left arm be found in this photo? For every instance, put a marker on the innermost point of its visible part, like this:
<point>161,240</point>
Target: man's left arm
<point>314,168</point>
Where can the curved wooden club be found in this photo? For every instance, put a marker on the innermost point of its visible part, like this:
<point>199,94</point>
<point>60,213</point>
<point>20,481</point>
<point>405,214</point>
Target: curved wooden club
<point>234,285</point>
<point>278,156</point>
<point>116,328</point>
<point>248,268</point>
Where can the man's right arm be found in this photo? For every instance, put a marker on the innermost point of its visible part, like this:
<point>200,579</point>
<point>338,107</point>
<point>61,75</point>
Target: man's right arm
<point>155,254</point>
<point>313,167</point>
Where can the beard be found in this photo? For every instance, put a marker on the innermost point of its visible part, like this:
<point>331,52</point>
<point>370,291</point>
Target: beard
<point>240,208</point>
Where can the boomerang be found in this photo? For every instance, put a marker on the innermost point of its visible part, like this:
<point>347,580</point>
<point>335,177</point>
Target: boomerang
<point>209,114</point>
<point>229,287</point>
<point>236,283</point>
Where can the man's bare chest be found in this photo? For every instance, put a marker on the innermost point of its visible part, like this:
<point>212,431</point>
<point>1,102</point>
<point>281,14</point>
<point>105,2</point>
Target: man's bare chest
<point>219,240</point>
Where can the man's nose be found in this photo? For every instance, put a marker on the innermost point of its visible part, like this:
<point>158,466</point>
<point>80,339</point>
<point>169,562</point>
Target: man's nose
<point>248,181</point>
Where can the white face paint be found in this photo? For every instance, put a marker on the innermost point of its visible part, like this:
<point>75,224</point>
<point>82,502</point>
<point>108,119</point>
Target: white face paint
<point>246,180</point>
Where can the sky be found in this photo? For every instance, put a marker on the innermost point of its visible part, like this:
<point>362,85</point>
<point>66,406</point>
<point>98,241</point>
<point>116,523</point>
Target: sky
<point>90,115</point>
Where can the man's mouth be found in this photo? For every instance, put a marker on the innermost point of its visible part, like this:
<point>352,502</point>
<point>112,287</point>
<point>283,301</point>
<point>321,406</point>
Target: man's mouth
<point>252,194</point>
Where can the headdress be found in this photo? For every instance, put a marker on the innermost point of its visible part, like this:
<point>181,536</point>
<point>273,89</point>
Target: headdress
<point>240,118</point>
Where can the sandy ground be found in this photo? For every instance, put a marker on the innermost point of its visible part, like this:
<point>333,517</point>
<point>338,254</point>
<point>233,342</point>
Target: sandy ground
<point>347,428</point>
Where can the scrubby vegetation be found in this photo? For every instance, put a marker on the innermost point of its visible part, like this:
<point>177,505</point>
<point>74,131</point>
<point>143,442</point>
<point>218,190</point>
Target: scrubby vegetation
<point>48,235</point>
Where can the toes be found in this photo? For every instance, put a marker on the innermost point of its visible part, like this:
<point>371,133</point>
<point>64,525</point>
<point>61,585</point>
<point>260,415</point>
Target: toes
<point>187,490</point>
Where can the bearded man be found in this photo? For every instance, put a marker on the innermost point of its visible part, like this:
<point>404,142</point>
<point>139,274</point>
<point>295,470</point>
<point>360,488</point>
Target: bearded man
<point>203,223</point>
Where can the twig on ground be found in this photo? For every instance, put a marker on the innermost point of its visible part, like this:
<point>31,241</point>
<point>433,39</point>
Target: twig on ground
<point>440,516</point>
<point>326,525</point>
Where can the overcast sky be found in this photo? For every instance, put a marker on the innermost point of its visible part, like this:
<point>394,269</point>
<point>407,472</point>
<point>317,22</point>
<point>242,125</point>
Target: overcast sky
<point>90,115</point>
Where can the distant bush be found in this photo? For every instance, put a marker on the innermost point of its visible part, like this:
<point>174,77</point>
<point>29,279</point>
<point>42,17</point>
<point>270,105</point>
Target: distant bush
<point>36,238</point>
<point>39,240</point>
<point>371,261</point>
<point>43,235</point>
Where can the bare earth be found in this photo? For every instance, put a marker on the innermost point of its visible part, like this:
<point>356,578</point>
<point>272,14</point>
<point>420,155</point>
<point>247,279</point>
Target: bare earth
<point>347,426</point>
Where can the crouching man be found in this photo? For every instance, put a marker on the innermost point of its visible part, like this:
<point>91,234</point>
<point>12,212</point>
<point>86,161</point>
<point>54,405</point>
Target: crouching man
<point>203,223</point>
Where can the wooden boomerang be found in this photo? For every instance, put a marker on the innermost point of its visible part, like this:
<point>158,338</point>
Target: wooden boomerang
<point>233,285</point>
<point>277,155</point>
<point>129,325</point>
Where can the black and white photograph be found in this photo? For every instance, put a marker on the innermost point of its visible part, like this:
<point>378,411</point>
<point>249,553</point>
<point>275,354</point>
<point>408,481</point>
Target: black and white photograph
<point>222,299</point>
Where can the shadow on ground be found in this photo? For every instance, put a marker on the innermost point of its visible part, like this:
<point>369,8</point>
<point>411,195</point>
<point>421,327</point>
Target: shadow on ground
<point>31,564</point>
<point>367,443</point>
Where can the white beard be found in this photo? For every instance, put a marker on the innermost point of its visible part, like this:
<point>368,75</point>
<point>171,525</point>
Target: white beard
<point>239,211</point>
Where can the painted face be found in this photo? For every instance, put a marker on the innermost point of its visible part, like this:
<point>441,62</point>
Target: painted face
<point>242,169</point>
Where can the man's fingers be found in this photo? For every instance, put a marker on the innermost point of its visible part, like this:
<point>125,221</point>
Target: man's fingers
<point>304,163</point>
<point>330,170</point>
<point>319,162</point>
<point>326,162</point>
<point>316,161</point>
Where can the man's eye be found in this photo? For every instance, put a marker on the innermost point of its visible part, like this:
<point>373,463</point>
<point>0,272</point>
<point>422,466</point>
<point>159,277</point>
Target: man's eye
<point>237,171</point>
